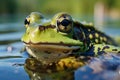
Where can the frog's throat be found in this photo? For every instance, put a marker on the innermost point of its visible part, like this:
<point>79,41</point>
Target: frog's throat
<point>47,53</point>
<point>53,46</point>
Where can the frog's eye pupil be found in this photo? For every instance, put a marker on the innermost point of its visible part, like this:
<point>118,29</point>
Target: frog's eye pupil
<point>26,22</point>
<point>65,22</point>
<point>64,25</point>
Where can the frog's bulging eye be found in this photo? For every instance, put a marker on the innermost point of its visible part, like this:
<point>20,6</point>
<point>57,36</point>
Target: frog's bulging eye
<point>34,17</point>
<point>64,23</point>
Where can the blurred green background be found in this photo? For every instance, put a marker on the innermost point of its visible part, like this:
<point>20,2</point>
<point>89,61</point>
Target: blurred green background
<point>77,7</point>
<point>100,12</point>
<point>104,14</point>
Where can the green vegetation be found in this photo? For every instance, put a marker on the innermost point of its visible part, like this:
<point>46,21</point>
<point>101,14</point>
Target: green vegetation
<point>80,9</point>
<point>77,7</point>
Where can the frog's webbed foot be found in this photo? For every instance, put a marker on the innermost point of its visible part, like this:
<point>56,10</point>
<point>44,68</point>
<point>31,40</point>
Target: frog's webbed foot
<point>99,49</point>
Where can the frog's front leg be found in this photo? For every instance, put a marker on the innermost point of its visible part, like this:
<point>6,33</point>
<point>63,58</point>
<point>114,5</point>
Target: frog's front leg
<point>95,50</point>
<point>99,49</point>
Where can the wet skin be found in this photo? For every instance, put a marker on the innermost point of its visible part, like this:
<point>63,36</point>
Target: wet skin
<point>63,40</point>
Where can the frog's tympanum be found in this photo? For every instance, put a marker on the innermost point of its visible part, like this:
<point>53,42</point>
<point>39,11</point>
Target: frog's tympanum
<point>63,40</point>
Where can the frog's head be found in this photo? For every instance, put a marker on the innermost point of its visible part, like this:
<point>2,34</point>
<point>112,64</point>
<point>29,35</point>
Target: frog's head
<point>55,35</point>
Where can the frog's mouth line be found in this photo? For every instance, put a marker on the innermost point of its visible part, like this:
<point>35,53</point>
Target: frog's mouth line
<point>54,46</point>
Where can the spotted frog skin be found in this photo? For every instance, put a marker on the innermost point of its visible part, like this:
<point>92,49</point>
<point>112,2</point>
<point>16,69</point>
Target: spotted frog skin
<point>63,39</point>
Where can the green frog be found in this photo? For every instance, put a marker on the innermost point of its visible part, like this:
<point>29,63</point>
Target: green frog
<point>62,40</point>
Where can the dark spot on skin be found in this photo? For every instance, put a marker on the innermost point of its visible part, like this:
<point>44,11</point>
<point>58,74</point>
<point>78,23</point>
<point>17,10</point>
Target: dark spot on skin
<point>51,26</point>
<point>114,49</point>
<point>118,51</point>
<point>105,47</point>
<point>61,42</point>
<point>101,52</point>
<point>47,52</point>
<point>46,27</point>
<point>99,49</point>
<point>41,28</point>
<point>65,51</point>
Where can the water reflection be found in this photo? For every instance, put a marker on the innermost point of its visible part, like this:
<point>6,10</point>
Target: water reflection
<point>106,67</point>
<point>60,70</point>
<point>11,67</point>
<point>37,71</point>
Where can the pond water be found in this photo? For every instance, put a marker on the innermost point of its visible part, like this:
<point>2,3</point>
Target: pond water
<point>12,60</point>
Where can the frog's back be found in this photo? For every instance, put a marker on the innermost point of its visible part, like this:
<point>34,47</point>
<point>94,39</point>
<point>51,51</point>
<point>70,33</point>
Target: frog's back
<point>92,35</point>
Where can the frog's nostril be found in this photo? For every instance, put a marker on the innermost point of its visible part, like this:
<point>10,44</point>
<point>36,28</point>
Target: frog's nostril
<point>41,28</point>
